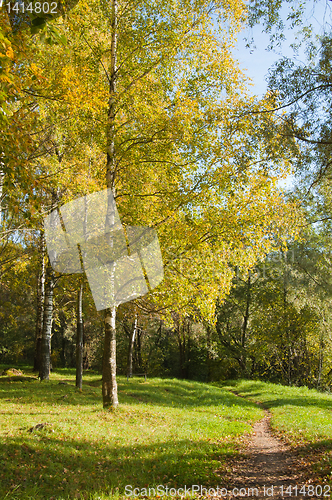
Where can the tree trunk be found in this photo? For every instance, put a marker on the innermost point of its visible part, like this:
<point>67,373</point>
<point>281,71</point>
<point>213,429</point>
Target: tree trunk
<point>182,346</point>
<point>130,350</point>
<point>320,360</point>
<point>287,326</point>
<point>245,325</point>
<point>45,362</point>
<point>2,178</point>
<point>109,386</point>
<point>154,346</point>
<point>187,353</point>
<point>139,349</point>
<point>40,303</point>
<point>79,338</point>
<point>208,352</point>
<point>111,154</point>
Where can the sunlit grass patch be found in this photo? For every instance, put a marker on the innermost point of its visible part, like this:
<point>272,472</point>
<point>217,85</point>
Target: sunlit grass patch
<point>299,411</point>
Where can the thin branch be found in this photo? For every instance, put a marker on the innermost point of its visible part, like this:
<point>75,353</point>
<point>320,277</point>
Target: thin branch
<point>99,59</point>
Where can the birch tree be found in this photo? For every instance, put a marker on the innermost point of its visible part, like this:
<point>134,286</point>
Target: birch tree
<point>79,338</point>
<point>109,384</point>
<point>153,89</point>
<point>40,297</point>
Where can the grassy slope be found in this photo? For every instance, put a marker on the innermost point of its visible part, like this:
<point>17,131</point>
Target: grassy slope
<point>301,416</point>
<point>167,432</point>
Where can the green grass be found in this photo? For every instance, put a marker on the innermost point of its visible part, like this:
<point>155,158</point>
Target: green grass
<point>301,416</point>
<point>167,432</point>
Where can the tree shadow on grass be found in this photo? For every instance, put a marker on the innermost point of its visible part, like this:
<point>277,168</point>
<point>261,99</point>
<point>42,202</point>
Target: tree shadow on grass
<point>46,466</point>
<point>18,378</point>
<point>35,392</point>
<point>176,393</point>
<point>268,400</point>
<point>166,393</point>
<point>305,402</point>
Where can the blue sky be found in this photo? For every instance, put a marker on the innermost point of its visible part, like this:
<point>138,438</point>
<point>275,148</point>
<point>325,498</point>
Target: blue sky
<point>257,60</point>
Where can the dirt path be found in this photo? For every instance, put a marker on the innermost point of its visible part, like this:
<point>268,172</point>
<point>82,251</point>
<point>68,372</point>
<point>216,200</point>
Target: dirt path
<point>270,469</point>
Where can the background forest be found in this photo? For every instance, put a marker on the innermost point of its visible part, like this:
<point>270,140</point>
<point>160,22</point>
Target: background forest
<point>147,99</point>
